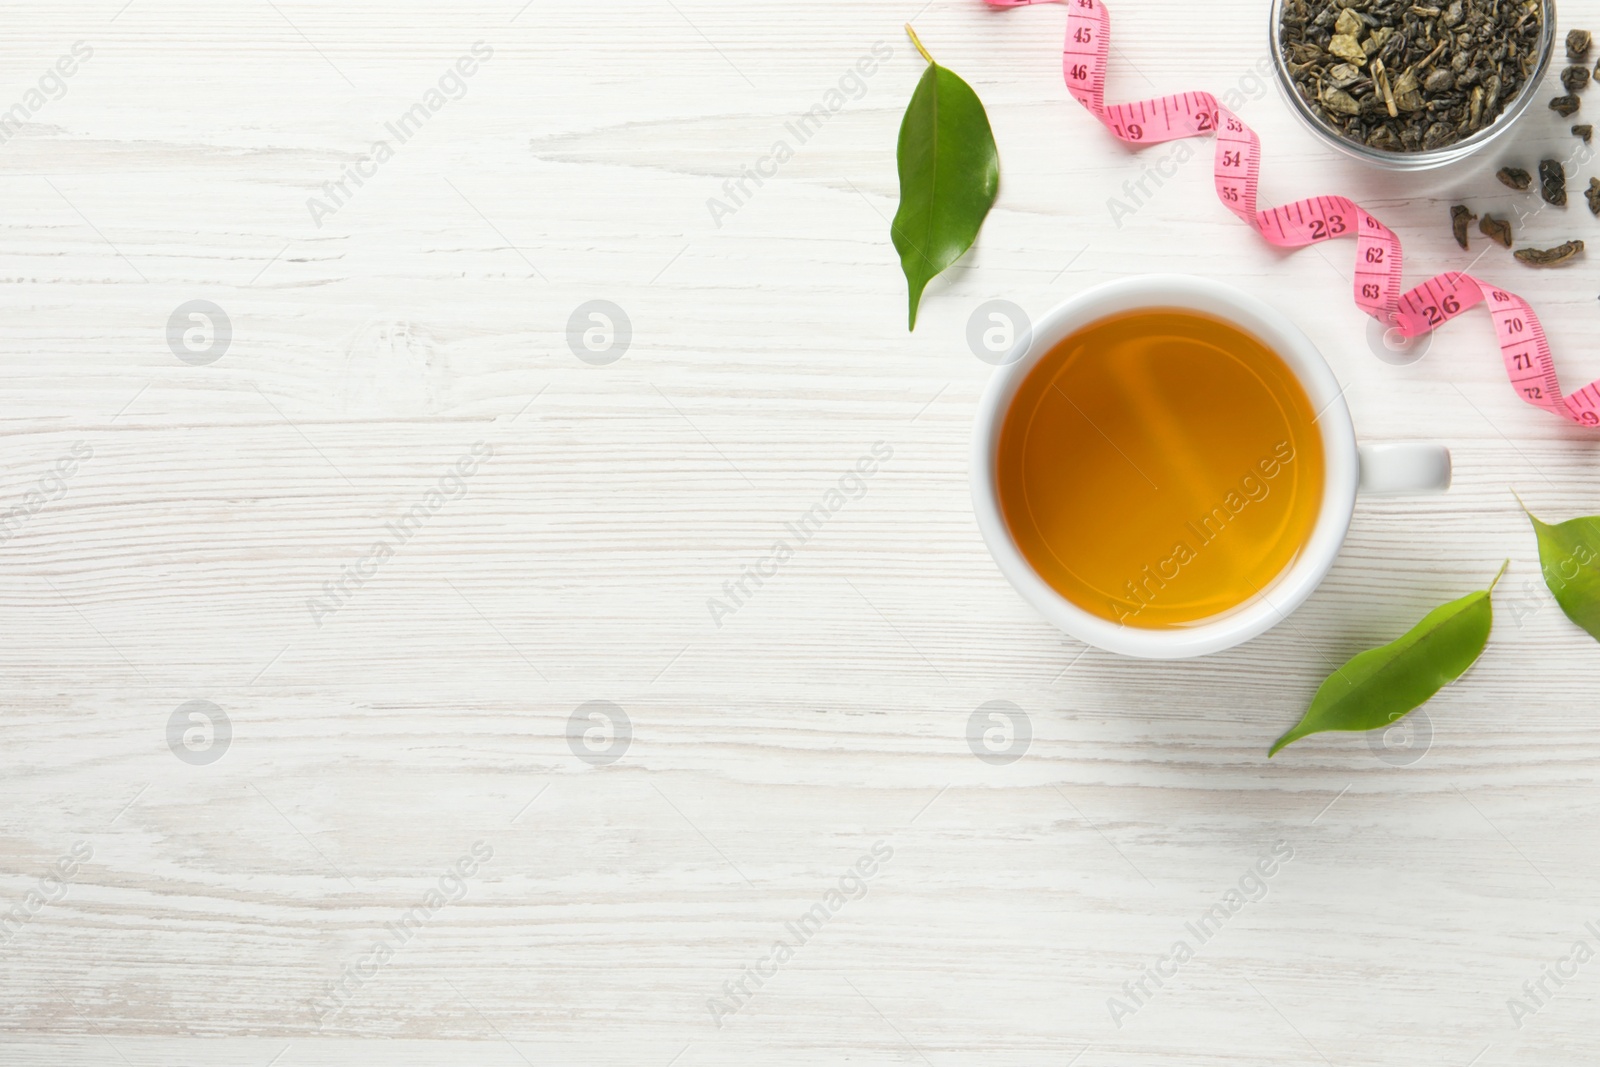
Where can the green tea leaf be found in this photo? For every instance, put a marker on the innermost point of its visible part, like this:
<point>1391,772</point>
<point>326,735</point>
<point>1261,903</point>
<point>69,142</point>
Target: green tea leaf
<point>949,176</point>
<point>1380,686</point>
<point>1569,556</point>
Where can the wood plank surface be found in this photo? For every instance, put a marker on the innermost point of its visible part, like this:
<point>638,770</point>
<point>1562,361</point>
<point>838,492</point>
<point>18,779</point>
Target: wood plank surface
<point>405,772</point>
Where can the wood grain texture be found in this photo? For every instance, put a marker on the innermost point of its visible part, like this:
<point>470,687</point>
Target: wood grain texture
<point>372,747</point>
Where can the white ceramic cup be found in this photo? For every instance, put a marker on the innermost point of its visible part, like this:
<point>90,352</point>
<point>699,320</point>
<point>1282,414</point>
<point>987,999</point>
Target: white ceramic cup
<point>1397,468</point>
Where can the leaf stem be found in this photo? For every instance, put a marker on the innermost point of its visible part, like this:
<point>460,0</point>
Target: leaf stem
<point>1520,504</point>
<point>1500,575</point>
<point>918,42</point>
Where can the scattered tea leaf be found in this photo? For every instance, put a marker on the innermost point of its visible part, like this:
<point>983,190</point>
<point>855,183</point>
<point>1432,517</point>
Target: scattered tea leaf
<point>1577,44</point>
<point>1575,79</point>
<point>1552,182</point>
<point>1378,687</point>
<point>1514,178</point>
<point>1496,230</point>
<point>949,175</point>
<point>1549,257</point>
<point>1583,131</point>
<point>1564,105</point>
<point>1569,556</point>
<point>1460,219</point>
<point>1592,194</point>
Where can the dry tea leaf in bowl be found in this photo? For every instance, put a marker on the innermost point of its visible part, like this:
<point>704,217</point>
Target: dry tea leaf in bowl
<point>1400,76</point>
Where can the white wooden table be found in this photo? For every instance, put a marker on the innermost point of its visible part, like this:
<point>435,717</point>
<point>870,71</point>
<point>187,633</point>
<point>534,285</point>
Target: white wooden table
<point>299,886</point>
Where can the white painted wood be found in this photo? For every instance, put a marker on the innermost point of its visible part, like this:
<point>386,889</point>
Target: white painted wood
<point>831,711</point>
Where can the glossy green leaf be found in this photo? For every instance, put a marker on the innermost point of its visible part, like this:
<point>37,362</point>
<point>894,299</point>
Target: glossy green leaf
<point>1382,685</point>
<point>1569,556</point>
<point>949,177</point>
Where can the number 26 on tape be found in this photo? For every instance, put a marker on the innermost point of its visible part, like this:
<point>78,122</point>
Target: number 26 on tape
<point>1450,305</point>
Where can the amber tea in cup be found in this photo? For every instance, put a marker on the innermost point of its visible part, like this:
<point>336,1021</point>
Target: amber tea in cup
<point>1160,467</point>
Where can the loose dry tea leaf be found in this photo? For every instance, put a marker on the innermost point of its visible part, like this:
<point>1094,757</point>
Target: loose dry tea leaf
<point>1343,75</point>
<point>1583,131</point>
<point>1409,77</point>
<point>1496,230</point>
<point>1340,101</point>
<point>1345,46</point>
<point>1552,182</point>
<point>1577,43</point>
<point>1564,106</point>
<point>1575,79</point>
<point>1437,136</point>
<point>1386,91</point>
<point>1460,219</point>
<point>1407,96</point>
<point>1549,257</point>
<point>1515,178</point>
<point>1592,194</point>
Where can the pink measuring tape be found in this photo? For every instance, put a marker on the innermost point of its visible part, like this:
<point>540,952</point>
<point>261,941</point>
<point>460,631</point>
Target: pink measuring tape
<point>1321,218</point>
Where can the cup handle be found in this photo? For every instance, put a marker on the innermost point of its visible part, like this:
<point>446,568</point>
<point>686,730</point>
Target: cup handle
<point>1387,470</point>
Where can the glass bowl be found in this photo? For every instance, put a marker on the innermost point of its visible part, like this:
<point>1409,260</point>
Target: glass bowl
<point>1428,159</point>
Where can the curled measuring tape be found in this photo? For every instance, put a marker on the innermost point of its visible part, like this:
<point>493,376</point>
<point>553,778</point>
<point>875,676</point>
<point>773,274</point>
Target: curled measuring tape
<point>1237,170</point>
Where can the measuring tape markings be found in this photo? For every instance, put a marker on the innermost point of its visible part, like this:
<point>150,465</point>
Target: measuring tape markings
<point>1378,269</point>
